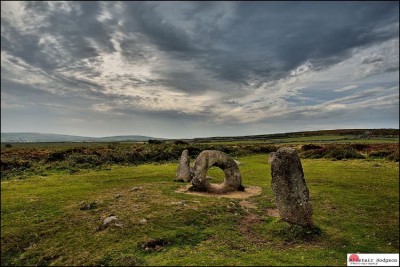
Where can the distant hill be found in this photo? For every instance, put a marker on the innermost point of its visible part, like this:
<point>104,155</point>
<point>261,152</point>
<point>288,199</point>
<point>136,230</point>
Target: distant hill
<point>357,133</point>
<point>125,138</point>
<point>46,137</point>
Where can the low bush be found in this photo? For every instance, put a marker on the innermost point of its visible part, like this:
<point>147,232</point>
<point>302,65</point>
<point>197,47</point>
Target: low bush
<point>394,156</point>
<point>11,168</point>
<point>332,152</point>
<point>360,146</point>
<point>155,142</point>
<point>342,153</point>
<point>56,156</point>
<point>310,147</point>
<point>380,154</point>
<point>180,142</point>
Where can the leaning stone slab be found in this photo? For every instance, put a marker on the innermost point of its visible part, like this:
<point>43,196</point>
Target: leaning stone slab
<point>209,158</point>
<point>183,172</point>
<point>289,187</point>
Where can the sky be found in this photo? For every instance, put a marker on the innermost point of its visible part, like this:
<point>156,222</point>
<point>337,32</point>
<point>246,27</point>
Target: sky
<point>198,69</point>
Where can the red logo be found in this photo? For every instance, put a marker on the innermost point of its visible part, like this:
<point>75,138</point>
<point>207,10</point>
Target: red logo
<point>354,257</point>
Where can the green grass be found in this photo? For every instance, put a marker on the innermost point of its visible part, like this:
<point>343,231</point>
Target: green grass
<point>355,204</point>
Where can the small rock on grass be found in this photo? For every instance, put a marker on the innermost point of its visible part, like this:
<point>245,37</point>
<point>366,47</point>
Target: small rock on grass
<point>143,221</point>
<point>178,203</point>
<point>136,188</point>
<point>108,221</point>
<point>84,206</point>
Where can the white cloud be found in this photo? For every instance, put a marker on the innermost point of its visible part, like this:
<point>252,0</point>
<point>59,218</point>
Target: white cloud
<point>346,88</point>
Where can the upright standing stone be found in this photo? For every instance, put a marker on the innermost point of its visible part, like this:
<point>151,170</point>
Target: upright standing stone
<point>183,172</point>
<point>289,187</point>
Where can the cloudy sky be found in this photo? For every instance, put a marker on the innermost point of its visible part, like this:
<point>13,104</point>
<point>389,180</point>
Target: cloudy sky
<point>191,69</point>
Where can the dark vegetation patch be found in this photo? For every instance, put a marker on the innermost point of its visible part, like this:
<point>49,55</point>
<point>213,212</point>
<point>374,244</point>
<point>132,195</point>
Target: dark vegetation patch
<point>350,151</point>
<point>180,142</point>
<point>310,147</point>
<point>298,233</point>
<point>394,156</point>
<point>332,152</point>
<point>155,244</point>
<point>380,154</point>
<point>19,160</point>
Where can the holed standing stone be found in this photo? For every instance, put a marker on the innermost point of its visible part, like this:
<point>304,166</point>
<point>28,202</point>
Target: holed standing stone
<point>289,187</point>
<point>209,158</point>
<point>183,172</point>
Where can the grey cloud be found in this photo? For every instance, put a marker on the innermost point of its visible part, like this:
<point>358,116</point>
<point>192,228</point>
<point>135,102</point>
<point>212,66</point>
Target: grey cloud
<point>142,17</point>
<point>30,95</point>
<point>269,39</point>
<point>291,33</point>
<point>266,39</point>
<point>70,30</point>
<point>230,101</point>
<point>373,59</point>
<point>191,47</point>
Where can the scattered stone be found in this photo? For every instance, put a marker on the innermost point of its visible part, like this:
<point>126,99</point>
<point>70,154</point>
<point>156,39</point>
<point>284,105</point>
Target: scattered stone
<point>109,220</point>
<point>289,187</point>
<point>90,206</point>
<point>143,221</point>
<point>178,203</point>
<point>183,173</point>
<point>209,158</point>
<point>136,188</point>
<point>117,196</point>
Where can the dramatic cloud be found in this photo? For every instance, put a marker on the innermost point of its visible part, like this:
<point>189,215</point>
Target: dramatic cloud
<point>188,69</point>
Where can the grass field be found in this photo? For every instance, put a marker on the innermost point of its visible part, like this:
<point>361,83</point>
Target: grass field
<point>355,202</point>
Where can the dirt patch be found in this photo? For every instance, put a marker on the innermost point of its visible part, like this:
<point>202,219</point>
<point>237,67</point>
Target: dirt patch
<point>246,228</point>
<point>248,192</point>
<point>247,204</point>
<point>273,212</point>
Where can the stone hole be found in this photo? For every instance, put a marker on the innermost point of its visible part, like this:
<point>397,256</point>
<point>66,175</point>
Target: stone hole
<point>208,159</point>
